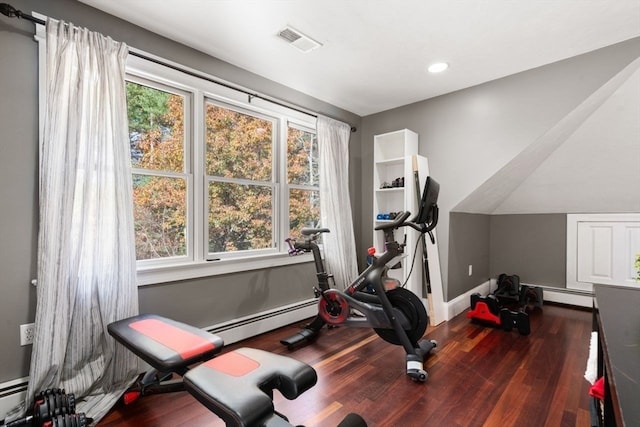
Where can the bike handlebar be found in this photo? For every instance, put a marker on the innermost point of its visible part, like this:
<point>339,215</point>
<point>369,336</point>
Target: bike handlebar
<point>397,222</point>
<point>401,221</point>
<point>425,227</point>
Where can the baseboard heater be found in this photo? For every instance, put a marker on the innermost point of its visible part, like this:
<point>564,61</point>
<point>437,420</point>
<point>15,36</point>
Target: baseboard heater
<point>566,296</point>
<point>259,323</point>
<point>12,393</point>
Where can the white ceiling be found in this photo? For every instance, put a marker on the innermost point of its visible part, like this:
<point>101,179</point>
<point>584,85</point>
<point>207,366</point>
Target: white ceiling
<point>375,52</point>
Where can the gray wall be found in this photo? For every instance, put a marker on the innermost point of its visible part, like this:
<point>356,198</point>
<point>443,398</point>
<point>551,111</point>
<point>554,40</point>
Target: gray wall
<point>469,236</point>
<point>202,302</point>
<point>207,301</point>
<point>471,134</point>
<point>533,246</point>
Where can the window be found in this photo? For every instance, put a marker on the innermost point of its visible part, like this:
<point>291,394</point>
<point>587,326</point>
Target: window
<point>303,180</point>
<point>239,164</point>
<point>157,141</point>
<point>219,181</point>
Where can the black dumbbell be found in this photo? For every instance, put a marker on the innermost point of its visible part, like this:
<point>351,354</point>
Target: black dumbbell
<point>47,405</point>
<point>69,420</point>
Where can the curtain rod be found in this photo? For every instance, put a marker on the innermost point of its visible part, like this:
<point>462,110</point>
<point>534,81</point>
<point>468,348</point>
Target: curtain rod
<point>10,11</point>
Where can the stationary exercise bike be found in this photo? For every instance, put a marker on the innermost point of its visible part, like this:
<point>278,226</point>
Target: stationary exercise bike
<point>374,299</point>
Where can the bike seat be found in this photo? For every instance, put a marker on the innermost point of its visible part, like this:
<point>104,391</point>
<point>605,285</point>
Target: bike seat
<point>311,231</point>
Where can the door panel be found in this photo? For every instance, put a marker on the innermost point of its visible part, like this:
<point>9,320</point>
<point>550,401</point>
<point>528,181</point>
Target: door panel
<point>601,248</point>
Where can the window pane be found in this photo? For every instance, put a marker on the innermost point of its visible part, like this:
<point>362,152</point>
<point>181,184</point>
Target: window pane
<point>160,216</point>
<point>156,128</point>
<point>240,217</point>
<point>302,157</point>
<point>238,145</point>
<point>304,210</point>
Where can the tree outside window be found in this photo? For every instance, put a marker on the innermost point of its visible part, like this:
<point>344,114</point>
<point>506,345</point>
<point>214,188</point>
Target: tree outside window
<point>255,184</point>
<point>239,169</point>
<point>156,135</point>
<point>303,179</point>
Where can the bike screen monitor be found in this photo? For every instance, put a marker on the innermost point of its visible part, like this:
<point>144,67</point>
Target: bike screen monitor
<point>428,210</point>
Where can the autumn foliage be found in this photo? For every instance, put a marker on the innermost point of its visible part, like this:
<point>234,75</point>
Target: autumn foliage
<point>241,176</point>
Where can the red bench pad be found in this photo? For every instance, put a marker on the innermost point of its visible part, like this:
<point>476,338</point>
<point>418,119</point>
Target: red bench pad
<point>165,344</point>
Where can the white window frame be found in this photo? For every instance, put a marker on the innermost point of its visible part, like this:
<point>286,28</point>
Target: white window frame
<point>186,173</point>
<point>288,187</point>
<point>160,271</point>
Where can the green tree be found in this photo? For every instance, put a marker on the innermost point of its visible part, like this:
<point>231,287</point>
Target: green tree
<point>156,130</point>
<point>146,108</point>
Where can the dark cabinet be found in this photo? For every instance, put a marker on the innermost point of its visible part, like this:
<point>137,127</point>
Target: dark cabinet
<point>616,318</point>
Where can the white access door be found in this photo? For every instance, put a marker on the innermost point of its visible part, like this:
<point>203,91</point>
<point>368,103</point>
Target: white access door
<point>606,247</point>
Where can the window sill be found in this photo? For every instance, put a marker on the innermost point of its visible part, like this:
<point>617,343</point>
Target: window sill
<point>172,273</point>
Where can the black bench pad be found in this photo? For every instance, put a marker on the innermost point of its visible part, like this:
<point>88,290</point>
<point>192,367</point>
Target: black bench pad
<point>165,344</point>
<point>237,386</point>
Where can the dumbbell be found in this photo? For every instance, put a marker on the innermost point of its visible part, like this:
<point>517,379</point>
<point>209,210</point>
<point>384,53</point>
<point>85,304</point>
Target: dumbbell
<point>67,420</point>
<point>47,405</point>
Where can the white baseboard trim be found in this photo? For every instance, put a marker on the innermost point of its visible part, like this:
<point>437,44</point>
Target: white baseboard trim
<point>462,302</point>
<point>249,326</point>
<point>12,393</point>
<point>567,296</point>
<point>550,294</point>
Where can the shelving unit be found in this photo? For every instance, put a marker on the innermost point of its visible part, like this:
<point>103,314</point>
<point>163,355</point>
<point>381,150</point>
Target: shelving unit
<point>393,156</point>
<point>392,161</point>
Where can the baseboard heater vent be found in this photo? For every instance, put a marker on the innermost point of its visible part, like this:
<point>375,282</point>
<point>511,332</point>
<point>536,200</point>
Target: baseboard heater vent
<point>13,389</point>
<point>12,393</point>
<point>566,296</point>
<point>564,290</point>
<point>256,324</point>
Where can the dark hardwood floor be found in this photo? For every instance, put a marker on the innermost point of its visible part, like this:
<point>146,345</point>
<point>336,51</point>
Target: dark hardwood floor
<point>478,376</point>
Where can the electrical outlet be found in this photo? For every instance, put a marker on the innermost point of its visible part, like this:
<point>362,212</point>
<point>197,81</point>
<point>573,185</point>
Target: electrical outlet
<point>27,331</point>
<point>470,269</point>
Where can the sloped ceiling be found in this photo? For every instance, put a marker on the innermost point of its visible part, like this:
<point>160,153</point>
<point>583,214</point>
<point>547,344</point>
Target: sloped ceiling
<point>588,162</point>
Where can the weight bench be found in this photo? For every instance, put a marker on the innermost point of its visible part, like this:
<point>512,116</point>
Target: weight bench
<point>237,386</point>
<point>168,346</point>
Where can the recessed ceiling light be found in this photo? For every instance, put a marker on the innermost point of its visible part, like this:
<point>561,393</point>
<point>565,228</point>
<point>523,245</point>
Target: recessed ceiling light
<point>438,67</point>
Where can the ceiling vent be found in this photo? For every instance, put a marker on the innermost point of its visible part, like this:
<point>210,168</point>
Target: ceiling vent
<point>297,39</point>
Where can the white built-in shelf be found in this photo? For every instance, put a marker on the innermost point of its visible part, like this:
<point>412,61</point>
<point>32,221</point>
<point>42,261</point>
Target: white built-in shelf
<point>392,155</point>
<point>390,190</point>
<point>389,162</point>
<point>392,160</point>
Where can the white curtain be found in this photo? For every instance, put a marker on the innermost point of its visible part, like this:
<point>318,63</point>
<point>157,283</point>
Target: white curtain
<point>335,206</point>
<point>86,252</point>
